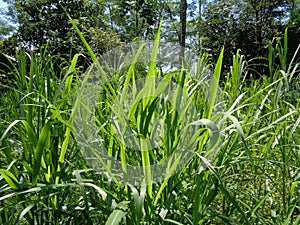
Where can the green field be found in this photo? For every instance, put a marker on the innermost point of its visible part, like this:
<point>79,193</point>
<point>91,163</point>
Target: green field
<point>250,175</point>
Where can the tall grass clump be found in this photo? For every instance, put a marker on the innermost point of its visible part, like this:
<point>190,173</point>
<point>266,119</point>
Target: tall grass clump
<point>37,150</point>
<point>240,151</point>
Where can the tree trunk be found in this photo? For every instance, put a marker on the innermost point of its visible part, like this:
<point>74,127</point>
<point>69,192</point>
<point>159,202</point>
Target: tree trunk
<point>183,8</point>
<point>199,22</point>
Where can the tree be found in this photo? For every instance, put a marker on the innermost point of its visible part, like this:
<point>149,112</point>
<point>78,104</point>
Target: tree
<point>45,23</point>
<point>6,26</point>
<point>201,5</point>
<point>183,8</point>
<point>247,25</point>
<point>134,19</point>
<point>294,29</point>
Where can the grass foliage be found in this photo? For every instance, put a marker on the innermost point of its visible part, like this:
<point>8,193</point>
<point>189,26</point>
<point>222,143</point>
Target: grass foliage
<point>252,176</point>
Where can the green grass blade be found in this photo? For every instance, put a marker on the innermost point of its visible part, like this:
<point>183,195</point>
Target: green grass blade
<point>69,76</point>
<point>297,221</point>
<point>8,129</point>
<point>10,179</point>
<point>104,77</point>
<point>225,191</point>
<point>172,222</point>
<point>152,65</point>
<point>214,85</point>
<point>90,51</point>
<point>130,74</point>
<point>118,214</point>
<point>139,199</point>
<point>39,150</point>
<point>83,193</point>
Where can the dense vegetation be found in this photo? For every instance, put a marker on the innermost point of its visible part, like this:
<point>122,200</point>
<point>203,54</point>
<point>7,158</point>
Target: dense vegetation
<point>200,25</point>
<point>250,175</point>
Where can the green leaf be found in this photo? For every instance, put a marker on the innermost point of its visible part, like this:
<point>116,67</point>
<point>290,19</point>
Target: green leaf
<point>214,131</point>
<point>90,51</point>
<point>38,152</point>
<point>30,132</point>
<point>152,65</point>
<point>70,75</point>
<point>297,221</point>
<point>10,179</point>
<point>138,201</point>
<point>214,85</point>
<point>8,128</point>
<point>117,215</point>
<point>173,222</point>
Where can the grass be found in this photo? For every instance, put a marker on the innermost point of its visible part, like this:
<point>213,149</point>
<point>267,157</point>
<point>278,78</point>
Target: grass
<point>245,163</point>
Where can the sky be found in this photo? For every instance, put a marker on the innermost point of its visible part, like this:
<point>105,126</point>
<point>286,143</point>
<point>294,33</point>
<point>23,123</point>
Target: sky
<point>2,4</point>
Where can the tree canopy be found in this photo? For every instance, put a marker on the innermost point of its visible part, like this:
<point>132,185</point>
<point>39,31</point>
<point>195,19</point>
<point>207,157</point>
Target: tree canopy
<point>248,25</point>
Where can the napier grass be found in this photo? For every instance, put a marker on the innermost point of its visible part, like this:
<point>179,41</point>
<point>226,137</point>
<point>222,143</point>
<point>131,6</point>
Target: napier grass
<point>252,178</point>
